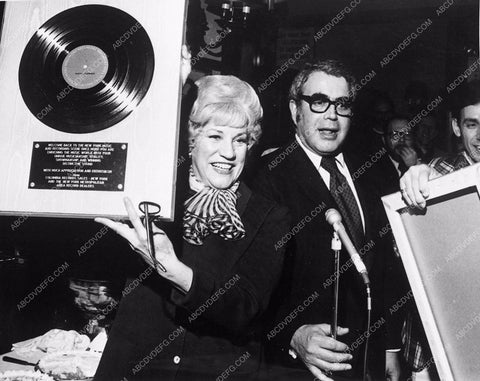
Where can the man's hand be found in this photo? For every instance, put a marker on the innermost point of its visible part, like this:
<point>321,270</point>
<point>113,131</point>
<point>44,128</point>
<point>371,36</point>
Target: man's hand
<point>319,351</point>
<point>408,155</point>
<point>392,366</point>
<point>414,185</point>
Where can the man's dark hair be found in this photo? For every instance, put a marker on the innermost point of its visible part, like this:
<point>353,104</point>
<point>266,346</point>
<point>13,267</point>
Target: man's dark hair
<point>466,95</point>
<point>330,67</point>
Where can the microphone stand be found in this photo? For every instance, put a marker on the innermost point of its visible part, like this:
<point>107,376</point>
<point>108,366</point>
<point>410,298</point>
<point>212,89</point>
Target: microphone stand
<point>336,247</point>
<point>334,218</point>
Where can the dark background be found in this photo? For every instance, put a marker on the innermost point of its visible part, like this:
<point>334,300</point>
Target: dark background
<point>361,39</point>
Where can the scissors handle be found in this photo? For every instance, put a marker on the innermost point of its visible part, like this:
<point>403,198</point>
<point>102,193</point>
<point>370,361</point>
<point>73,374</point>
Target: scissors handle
<point>151,216</point>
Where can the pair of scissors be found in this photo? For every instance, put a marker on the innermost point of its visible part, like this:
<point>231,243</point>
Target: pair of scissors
<point>151,211</point>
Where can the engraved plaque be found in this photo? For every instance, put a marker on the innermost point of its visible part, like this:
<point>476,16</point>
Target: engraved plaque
<point>78,166</point>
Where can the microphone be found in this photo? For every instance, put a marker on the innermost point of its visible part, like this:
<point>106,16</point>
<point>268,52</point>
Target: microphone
<point>334,218</point>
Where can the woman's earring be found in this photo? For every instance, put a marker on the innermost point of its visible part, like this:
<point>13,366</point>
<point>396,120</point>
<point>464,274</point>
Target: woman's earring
<point>190,148</point>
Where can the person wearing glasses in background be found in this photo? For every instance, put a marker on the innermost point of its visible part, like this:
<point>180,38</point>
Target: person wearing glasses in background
<point>401,145</point>
<point>310,175</point>
<point>402,153</point>
<point>196,314</point>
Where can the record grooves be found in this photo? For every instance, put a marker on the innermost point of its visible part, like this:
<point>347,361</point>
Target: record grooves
<point>86,69</point>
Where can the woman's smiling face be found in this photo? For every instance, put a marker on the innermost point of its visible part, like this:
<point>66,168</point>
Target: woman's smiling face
<point>218,155</point>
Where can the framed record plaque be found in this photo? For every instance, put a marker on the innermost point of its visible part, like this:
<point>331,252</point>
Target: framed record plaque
<point>440,249</point>
<point>89,105</point>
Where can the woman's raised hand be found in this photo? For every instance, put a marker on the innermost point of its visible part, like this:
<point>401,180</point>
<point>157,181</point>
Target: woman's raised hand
<point>176,271</point>
<point>137,237</point>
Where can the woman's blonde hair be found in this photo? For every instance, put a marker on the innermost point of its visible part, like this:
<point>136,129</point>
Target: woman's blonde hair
<point>226,100</point>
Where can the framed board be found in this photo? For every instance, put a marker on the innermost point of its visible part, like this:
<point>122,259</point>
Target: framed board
<point>440,249</point>
<point>89,98</point>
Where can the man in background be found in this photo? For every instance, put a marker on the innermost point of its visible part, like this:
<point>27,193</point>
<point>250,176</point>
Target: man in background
<point>466,126</point>
<point>402,153</point>
<point>400,143</point>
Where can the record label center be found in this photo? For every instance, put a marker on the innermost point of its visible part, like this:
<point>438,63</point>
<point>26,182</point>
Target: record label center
<point>85,67</point>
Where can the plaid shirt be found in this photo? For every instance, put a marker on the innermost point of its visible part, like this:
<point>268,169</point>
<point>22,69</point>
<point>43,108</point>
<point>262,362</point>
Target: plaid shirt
<point>416,349</point>
<point>447,164</point>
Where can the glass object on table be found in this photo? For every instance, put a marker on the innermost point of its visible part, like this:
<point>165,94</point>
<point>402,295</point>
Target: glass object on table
<point>96,299</point>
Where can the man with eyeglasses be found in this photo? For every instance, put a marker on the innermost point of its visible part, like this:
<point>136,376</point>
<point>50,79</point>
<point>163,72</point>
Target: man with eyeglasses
<point>400,144</point>
<point>310,175</point>
<point>402,153</point>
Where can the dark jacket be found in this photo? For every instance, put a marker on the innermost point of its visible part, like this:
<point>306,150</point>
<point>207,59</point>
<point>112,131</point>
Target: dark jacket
<point>388,178</point>
<point>160,333</point>
<point>289,177</point>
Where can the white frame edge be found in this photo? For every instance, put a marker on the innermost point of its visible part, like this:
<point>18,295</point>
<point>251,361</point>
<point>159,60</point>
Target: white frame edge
<point>444,185</point>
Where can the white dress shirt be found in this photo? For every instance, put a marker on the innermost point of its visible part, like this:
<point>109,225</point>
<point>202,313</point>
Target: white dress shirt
<point>342,167</point>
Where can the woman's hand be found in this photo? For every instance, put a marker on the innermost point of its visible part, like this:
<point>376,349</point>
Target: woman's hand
<point>137,237</point>
<point>177,272</point>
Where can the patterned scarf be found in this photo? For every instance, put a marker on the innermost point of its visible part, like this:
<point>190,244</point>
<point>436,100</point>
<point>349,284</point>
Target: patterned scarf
<point>211,210</point>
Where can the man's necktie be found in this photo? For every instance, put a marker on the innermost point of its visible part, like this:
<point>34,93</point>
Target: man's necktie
<point>347,205</point>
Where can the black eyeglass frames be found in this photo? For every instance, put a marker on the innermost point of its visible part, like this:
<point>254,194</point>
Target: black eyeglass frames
<point>320,103</point>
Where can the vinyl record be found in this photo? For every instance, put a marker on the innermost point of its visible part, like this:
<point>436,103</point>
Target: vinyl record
<point>86,69</point>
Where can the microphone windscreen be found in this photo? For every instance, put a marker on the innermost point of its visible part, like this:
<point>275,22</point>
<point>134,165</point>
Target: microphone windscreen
<point>333,216</point>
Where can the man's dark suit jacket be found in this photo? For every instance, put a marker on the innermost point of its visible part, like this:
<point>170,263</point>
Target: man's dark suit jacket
<point>289,177</point>
<point>388,179</point>
<point>171,336</point>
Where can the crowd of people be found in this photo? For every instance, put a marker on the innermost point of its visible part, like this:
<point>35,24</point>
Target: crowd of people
<point>244,291</point>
